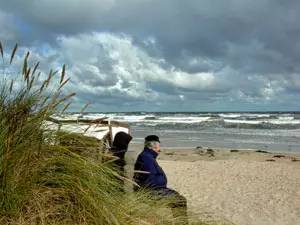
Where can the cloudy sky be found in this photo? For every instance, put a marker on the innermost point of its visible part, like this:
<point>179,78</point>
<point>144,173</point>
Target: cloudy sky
<point>170,55</point>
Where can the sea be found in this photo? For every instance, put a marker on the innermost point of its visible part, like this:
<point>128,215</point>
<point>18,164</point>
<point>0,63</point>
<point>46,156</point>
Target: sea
<point>268,131</point>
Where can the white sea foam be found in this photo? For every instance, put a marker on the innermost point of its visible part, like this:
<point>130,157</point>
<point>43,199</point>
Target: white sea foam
<point>284,121</point>
<point>182,119</point>
<point>243,121</point>
<point>289,118</point>
<point>229,115</point>
<point>253,115</point>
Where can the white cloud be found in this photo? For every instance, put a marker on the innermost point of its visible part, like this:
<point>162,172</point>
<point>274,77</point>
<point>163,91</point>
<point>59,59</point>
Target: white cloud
<point>111,70</point>
<point>125,63</point>
<point>268,93</point>
<point>181,97</point>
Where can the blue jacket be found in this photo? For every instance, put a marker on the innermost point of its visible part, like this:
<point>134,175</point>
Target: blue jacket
<point>156,178</point>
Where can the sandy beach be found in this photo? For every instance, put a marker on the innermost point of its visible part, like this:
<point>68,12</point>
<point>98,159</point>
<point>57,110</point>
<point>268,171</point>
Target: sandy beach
<point>244,187</point>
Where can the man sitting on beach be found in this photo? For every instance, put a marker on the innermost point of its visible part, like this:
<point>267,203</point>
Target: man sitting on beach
<point>155,179</point>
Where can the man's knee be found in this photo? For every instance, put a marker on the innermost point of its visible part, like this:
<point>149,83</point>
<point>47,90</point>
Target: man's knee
<point>168,192</point>
<point>177,200</point>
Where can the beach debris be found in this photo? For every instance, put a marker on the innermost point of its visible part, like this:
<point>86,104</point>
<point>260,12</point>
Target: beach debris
<point>234,150</point>
<point>169,153</point>
<point>198,147</point>
<point>270,160</point>
<point>261,151</point>
<point>210,152</point>
<point>199,151</point>
<point>295,160</point>
<point>279,156</point>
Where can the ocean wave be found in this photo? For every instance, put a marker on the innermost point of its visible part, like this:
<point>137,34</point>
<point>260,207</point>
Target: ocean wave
<point>262,125</point>
<point>150,118</point>
<point>222,124</point>
<point>199,120</point>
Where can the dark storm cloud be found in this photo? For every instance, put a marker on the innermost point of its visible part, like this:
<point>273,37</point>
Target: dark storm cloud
<point>255,36</point>
<point>250,48</point>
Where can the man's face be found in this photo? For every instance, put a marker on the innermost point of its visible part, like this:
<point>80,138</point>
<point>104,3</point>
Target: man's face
<point>156,147</point>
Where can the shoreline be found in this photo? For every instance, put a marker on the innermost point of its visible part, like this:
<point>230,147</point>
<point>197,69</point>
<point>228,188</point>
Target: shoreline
<point>182,148</point>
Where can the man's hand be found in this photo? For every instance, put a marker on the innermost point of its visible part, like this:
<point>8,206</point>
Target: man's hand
<point>140,171</point>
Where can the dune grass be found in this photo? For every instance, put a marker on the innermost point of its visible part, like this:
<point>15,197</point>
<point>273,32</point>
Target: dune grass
<point>43,181</point>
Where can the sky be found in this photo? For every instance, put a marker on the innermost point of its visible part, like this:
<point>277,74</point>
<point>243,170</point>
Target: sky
<point>171,55</point>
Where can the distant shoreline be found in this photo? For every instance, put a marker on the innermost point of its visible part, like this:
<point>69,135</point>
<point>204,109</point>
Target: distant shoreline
<point>180,149</point>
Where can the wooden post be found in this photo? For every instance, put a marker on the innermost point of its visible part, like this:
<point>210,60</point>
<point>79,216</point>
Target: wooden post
<point>110,133</point>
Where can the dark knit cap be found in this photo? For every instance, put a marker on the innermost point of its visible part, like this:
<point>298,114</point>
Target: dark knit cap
<point>152,138</point>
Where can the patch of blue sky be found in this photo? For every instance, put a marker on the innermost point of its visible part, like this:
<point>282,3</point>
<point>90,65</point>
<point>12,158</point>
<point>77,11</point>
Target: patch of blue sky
<point>21,25</point>
<point>45,49</point>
